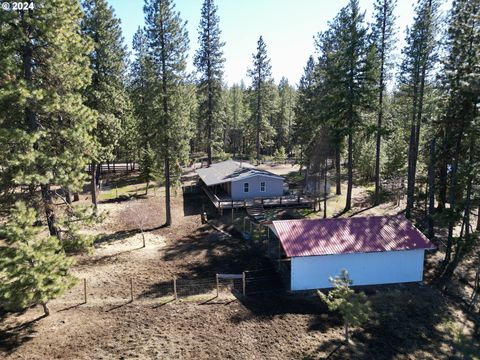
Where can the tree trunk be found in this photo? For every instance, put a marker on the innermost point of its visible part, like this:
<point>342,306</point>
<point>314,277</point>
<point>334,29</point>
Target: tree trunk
<point>325,190</point>
<point>93,185</point>
<point>442,175</point>
<point>68,196</point>
<point>259,119</point>
<point>347,334</point>
<point>168,214</point>
<point>146,188</point>
<point>380,109</point>
<point>431,189</point>
<point>76,196</point>
<point>452,199</point>
<point>338,178</point>
<point>46,310</point>
<point>411,175</point>
<point>464,237</point>
<point>348,203</point>
<point>49,212</point>
<point>478,218</point>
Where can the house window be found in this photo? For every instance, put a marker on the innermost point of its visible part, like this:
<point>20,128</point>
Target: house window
<point>263,185</point>
<point>246,187</point>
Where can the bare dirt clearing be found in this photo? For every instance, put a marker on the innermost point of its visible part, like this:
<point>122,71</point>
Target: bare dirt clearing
<point>411,322</point>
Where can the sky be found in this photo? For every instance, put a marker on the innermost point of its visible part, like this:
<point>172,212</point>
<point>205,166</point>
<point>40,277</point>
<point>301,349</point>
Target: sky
<point>288,27</point>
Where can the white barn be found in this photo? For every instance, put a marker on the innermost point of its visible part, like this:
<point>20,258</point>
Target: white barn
<point>374,250</point>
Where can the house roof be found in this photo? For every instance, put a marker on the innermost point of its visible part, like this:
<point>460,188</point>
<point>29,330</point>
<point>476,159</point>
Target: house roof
<point>316,237</point>
<point>229,171</point>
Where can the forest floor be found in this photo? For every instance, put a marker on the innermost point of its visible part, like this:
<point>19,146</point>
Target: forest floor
<point>409,322</point>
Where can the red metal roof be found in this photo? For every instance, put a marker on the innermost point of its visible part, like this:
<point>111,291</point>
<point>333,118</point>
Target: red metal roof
<point>314,237</point>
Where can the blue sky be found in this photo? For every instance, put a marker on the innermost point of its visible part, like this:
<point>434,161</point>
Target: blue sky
<point>287,26</point>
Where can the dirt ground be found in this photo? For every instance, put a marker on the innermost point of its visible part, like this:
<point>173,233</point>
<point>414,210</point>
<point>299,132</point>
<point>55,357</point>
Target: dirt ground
<point>409,322</point>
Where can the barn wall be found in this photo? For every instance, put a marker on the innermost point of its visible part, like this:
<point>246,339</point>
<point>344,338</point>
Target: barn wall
<point>274,187</point>
<point>313,272</point>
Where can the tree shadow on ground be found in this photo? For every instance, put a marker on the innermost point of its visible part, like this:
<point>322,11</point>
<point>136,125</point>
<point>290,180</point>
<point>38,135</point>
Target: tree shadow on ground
<point>13,337</point>
<point>268,305</point>
<point>196,202</point>
<point>201,255</point>
<point>209,252</point>
<point>405,324</point>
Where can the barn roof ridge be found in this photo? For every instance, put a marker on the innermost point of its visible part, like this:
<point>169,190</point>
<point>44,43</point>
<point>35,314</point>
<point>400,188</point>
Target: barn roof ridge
<point>334,236</point>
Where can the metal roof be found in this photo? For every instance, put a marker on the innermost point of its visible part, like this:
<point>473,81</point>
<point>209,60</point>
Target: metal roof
<point>229,171</point>
<point>316,237</point>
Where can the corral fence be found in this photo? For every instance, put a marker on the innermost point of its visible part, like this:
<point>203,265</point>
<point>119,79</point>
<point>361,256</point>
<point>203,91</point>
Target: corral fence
<point>247,283</point>
<point>114,167</point>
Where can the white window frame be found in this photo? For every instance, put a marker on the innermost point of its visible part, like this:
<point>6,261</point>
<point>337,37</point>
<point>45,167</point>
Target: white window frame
<point>246,187</point>
<point>264,186</point>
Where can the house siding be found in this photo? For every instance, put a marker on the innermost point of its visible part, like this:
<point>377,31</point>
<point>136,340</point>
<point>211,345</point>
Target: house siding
<point>274,187</point>
<point>313,272</point>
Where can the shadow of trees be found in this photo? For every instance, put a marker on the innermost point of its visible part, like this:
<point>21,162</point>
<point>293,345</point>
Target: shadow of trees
<point>13,337</point>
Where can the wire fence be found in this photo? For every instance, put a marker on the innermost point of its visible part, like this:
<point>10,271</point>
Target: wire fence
<point>248,283</point>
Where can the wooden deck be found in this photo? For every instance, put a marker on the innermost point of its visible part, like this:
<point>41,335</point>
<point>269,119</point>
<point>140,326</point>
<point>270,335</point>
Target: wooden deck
<point>279,201</point>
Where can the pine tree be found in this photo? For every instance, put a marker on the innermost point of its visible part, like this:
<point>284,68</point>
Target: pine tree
<point>168,45</point>
<point>45,126</point>
<point>354,307</point>
<point>33,267</point>
<point>283,121</point>
<point>147,166</point>
<point>106,94</point>
<point>239,113</point>
<point>305,108</point>
<point>261,74</point>
<point>384,37</point>
<point>209,62</point>
<point>142,90</point>
<point>350,75</point>
<point>461,74</point>
<point>419,59</point>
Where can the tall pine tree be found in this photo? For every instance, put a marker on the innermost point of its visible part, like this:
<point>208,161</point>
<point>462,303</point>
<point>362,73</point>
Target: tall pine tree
<point>419,58</point>
<point>45,126</point>
<point>209,62</point>
<point>33,267</point>
<point>460,80</point>
<point>106,94</point>
<point>168,46</point>
<point>353,71</point>
<point>384,37</point>
<point>260,74</point>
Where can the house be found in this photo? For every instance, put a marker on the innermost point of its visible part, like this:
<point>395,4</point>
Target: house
<point>374,250</point>
<point>233,180</point>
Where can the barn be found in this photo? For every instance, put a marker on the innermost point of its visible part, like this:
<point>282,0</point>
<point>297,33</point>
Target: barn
<point>234,180</point>
<point>374,250</point>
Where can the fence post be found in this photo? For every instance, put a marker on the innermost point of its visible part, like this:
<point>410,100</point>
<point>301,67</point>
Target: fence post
<point>243,284</point>
<point>216,280</point>
<point>131,289</point>
<point>232,212</point>
<point>244,218</point>
<point>84,291</point>
<point>175,288</point>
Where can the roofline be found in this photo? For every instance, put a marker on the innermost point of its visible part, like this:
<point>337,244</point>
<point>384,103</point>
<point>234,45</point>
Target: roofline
<point>270,175</point>
<point>362,252</point>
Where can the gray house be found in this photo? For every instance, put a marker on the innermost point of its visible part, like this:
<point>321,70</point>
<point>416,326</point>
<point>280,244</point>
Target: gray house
<point>233,180</point>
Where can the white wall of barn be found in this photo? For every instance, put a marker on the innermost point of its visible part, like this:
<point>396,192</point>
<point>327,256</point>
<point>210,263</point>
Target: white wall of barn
<point>313,272</point>
<point>273,187</point>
